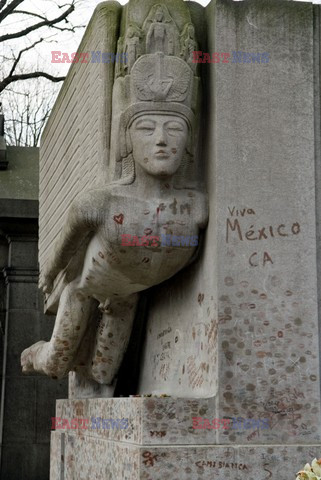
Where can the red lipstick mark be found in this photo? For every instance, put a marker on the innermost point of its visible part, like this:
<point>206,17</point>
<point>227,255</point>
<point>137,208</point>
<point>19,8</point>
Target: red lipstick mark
<point>161,207</point>
<point>119,218</point>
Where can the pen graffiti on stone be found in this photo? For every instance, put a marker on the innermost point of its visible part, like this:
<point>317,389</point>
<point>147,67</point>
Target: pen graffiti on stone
<point>236,231</point>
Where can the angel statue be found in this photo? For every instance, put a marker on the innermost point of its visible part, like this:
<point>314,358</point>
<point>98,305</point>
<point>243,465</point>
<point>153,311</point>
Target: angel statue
<point>111,247</point>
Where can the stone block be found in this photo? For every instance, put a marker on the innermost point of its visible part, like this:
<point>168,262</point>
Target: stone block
<point>245,318</point>
<point>23,252</point>
<point>24,296</point>
<point>161,443</point>
<point>57,456</point>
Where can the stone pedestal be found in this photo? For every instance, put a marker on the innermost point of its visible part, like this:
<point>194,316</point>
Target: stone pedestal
<point>160,442</point>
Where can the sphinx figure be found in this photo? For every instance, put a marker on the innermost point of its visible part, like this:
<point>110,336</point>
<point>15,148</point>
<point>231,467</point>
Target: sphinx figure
<point>156,191</point>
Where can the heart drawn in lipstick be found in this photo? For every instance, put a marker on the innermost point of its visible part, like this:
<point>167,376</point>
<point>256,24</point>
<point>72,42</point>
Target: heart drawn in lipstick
<point>119,218</point>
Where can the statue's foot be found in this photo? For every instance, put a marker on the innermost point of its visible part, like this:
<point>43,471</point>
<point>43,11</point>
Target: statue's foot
<point>31,358</point>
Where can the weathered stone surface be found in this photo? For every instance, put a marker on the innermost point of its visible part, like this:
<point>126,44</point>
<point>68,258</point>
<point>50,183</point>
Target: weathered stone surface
<point>169,421</point>
<point>256,286</point>
<point>81,387</point>
<point>151,421</point>
<point>141,452</point>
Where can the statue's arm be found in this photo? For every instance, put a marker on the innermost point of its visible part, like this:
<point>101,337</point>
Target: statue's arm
<point>83,219</point>
<point>149,34</point>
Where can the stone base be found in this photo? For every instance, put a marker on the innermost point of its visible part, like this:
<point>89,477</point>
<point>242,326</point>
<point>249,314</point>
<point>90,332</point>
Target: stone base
<point>159,443</point>
<point>92,458</point>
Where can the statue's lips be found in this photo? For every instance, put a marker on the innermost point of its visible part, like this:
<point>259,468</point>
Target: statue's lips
<point>162,154</point>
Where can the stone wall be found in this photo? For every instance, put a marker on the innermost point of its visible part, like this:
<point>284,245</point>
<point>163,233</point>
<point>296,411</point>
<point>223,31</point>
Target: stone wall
<point>75,143</point>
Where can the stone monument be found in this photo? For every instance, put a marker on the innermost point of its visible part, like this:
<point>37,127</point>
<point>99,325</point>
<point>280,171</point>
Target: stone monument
<point>232,332</point>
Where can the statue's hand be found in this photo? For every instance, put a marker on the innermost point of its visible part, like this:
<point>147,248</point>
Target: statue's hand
<point>30,358</point>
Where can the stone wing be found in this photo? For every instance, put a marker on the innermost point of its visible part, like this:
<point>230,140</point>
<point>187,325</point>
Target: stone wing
<point>75,145</point>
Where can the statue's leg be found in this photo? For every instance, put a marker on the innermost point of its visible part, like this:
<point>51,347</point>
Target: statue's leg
<point>55,358</point>
<point>112,337</point>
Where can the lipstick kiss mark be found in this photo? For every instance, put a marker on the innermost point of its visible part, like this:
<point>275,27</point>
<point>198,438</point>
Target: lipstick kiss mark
<point>148,231</point>
<point>200,298</point>
<point>119,218</point>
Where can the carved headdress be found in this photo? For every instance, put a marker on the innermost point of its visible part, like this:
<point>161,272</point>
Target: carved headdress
<point>159,77</point>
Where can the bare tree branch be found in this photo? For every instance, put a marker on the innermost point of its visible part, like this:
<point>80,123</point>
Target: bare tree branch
<point>27,115</point>
<point>2,4</point>
<point>15,63</point>
<point>36,26</point>
<point>26,76</point>
<point>9,9</point>
<point>24,12</point>
<point>28,104</point>
<point>68,29</point>
<point>65,29</point>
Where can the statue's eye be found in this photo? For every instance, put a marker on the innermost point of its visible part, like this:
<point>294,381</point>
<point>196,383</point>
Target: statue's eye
<point>145,127</point>
<point>174,127</point>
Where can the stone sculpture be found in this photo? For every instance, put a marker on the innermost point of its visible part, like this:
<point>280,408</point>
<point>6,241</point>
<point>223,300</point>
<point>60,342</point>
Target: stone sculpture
<point>133,36</point>
<point>188,44</point>
<point>156,190</point>
<point>161,31</point>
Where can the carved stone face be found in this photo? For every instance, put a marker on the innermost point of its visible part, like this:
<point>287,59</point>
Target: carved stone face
<point>158,142</point>
<point>159,15</point>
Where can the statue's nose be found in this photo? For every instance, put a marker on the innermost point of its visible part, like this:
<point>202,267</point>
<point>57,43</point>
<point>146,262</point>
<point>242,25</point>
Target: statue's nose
<point>161,137</point>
